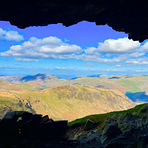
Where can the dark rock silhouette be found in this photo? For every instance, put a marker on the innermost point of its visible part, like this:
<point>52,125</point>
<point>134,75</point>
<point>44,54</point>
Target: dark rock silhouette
<point>121,15</point>
<point>22,129</point>
<point>89,124</point>
<point>20,126</point>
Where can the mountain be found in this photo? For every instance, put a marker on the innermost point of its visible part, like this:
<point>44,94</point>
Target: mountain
<point>98,76</point>
<point>123,83</point>
<point>65,102</point>
<point>37,77</point>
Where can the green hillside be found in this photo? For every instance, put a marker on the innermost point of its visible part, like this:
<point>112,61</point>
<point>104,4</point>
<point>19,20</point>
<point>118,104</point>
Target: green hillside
<point>65,102</point>
<point>127,84</point>
<point>19,86</point>
<point>100,118</point>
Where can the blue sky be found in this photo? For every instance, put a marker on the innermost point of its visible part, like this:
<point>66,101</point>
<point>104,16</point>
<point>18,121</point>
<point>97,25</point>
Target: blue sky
<point>81,49</point>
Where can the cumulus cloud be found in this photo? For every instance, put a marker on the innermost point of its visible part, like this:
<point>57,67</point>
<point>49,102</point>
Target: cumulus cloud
<point>10,35</point>
<point>91,50</point>
<point>96,58</point>
<point>144,48</point>
<point>110,51</point>
<point>35,48</point>
<point>121,45</point>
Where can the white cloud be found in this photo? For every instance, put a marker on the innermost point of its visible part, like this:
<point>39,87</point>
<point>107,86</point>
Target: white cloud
<point>10,35</point>
<point>140,61</point>
<point>144,48</point>
<point>2,33</point>
<point>49,47</point>
<point>136,54</point>
<point>96,58</point>
<point>121,45</point>
<point>110,51</point>
<point>118,65</point>
<point>91,50</point>
<point>88,65</point>
<point>26,60</point>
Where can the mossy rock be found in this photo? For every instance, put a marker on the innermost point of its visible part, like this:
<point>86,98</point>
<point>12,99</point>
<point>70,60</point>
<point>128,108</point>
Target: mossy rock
<point>89,124</point>
<point>144,109</point>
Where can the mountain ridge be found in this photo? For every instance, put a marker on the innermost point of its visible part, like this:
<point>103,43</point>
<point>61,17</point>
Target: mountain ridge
<point>124,83</point>
<point>65,102</point>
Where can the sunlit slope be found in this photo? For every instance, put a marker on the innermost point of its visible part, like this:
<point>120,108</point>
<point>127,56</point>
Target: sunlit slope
<point>10,102</point>
<point>124,84</point>
<point>19,86</point>
<point>65,102</point>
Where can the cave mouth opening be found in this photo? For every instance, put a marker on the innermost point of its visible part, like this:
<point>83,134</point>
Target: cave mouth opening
<point>79,50</point>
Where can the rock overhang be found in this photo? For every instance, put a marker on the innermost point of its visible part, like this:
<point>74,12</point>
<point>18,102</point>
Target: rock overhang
<point>129,16</point>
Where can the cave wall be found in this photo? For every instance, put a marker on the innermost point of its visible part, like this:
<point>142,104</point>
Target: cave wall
<point>129,16</point>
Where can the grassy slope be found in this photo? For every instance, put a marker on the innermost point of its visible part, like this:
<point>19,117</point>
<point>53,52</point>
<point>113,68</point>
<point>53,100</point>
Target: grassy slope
<point>21,86</point>
<point>8,102</point>
<point>66,102</point>
<point>133,84</point>
<point>100,118</point>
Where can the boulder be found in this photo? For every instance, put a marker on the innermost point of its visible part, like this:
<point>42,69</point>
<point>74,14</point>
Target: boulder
<point>15,114</point>
<point>89,124</point>
<point>144,109</point>
<point>109,132</point>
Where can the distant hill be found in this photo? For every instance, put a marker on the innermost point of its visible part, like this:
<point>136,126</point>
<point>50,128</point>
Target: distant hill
<point>98,76</point>
<point>114,78</point>
<point>37,77</point>
<point>19,86</point>
<point>65,102</point>
<point>15,78</point>
<point>123,83</point>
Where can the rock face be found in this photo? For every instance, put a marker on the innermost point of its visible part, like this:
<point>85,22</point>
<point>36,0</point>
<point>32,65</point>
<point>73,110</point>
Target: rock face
<point>111,131</point>
<point>89,124</point>
<point>23,129</point>
<point>129,16</point>
<point>20,126</point>
<point>128,130</point>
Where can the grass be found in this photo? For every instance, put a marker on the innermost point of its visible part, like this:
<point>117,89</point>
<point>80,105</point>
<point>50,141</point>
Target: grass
<point>100,118</point>
<point>130,85</point>
<point>68,102</point>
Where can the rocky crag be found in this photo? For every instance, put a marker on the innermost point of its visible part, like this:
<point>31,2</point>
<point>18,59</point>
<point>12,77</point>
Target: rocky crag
<point>128,130</point>
<point>24,129</point>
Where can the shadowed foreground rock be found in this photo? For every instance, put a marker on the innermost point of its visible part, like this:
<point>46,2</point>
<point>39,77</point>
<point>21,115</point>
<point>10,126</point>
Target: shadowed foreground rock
<point>20,129</point>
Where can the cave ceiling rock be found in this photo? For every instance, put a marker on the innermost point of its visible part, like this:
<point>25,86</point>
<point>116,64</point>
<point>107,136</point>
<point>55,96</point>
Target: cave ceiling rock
<point>129,16</point>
